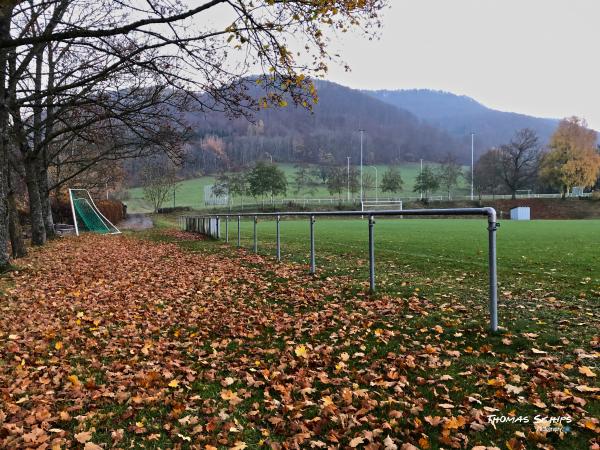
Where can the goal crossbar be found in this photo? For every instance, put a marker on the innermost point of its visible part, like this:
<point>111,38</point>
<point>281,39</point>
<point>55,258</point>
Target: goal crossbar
<point>376,205</point>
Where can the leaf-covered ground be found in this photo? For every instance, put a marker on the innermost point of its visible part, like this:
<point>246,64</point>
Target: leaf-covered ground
<point>121,342</point>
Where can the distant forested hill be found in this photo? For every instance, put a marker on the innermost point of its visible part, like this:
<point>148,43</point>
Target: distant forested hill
<point>292,134</point>
<point>400,126</point>
<point>459,115</point>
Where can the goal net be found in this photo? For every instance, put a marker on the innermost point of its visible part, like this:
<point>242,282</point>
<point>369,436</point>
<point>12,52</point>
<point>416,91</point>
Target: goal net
<point>210,199</point>
<point>381,205</point>
<point>87,216</point>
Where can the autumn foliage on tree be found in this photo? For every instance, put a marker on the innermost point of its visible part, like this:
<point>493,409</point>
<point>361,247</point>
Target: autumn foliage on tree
<point>573,159</point>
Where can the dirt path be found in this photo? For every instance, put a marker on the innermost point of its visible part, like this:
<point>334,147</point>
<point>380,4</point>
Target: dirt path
<point>136,222</point>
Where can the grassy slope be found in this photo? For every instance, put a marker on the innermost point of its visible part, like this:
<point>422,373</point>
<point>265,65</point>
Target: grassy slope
<point>191,192</point>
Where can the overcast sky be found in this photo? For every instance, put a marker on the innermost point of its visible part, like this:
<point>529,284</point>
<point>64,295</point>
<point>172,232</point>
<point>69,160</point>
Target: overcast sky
<point>538,57</point>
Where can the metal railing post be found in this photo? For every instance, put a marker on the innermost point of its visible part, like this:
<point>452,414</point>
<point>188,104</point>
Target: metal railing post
<point>371,254</point>
<point>278,239</point>
<point>203,224</point>
<point>218,225</point>
<point>312,245</point>
<point>255,238</point>
<point>226,228</point>
<point>492,227</point>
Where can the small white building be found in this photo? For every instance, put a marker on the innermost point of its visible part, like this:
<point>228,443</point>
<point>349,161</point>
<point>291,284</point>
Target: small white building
<point>520,213</point>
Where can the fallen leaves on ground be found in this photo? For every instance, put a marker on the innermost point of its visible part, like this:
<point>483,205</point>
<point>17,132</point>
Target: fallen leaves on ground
<point>114,341</point>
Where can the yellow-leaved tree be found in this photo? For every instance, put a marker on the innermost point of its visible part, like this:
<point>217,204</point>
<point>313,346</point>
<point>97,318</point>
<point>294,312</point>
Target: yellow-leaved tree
<point>573,158</point>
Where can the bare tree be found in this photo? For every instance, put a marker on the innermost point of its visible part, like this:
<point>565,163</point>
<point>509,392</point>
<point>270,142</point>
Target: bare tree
<point>488,173</point>
<point>69,55</point>
<point>520,160</point>
<point>449,173</point>
<point>159,180</point>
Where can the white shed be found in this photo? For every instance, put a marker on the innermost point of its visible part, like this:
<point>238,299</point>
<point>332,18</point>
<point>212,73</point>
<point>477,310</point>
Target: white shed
<point>520,213</point>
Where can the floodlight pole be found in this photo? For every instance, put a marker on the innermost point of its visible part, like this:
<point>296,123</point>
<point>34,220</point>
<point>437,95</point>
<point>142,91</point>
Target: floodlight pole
<point>421,174</point>
<point>348,176</point>
<point>472,162</point>
<point>361,165</point>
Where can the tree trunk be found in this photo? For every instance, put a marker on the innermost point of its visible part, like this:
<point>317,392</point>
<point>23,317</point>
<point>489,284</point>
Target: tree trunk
<point>45,200</point>
<point>514,195</point>
<point>44,185</point>
<point>6,9</point>
<point>38,230</point>
<point>17,242</point>
<point>42,163</point>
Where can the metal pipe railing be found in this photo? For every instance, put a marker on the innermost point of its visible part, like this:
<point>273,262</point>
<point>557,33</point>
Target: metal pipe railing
<point>204,224</point>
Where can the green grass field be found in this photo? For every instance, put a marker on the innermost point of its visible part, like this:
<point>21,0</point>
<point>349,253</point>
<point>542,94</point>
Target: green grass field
<point>191,192</point>
<point>549,312</point>
<point>561,255</point>
<point>166,339</point>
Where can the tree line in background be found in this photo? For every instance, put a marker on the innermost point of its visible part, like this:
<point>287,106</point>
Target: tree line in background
<point>572,160</point>
<point>85,85</point>
<point>266,180</point>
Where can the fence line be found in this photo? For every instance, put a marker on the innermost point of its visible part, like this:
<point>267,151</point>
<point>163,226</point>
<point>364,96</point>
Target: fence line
<point>439,198</point>
<point>211,226</point>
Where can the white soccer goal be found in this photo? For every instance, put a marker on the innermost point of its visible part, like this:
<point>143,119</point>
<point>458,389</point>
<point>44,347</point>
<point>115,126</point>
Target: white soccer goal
<point>380,205</point>
<point>87,216</point>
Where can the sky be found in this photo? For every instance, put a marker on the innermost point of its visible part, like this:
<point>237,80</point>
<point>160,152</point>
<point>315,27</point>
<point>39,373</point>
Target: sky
<point>537,57</point>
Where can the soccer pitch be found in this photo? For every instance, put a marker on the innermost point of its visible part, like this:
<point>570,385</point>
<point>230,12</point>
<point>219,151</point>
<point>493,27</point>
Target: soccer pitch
<point>432,292</point>
<point>559,255</point>
<point>191,192</point>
